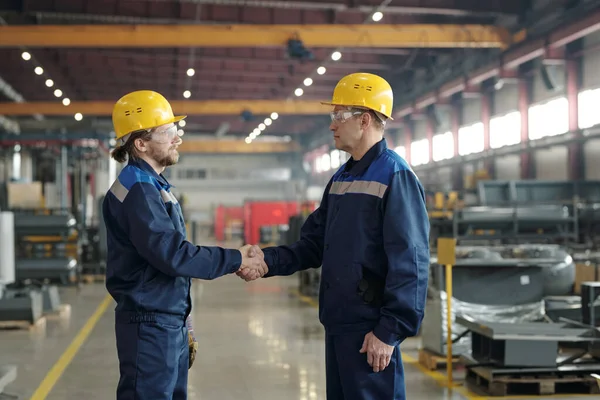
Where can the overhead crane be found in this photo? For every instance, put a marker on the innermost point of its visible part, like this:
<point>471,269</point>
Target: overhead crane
<point>250,35</point>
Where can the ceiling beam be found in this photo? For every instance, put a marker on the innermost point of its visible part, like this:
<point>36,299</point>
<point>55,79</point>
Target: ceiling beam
<point>370,36</point>
<point>187,107</point>
<point>236,146</point>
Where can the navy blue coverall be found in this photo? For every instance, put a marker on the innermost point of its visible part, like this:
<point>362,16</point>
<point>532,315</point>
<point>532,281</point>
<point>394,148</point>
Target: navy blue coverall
<point>370,234</point>
<point>149,269</point>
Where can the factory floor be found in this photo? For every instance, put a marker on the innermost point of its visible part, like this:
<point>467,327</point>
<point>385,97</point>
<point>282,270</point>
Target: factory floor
<point>257,341</point>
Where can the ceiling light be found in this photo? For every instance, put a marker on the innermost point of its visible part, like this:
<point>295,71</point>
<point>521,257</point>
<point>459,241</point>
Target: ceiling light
<point>26,56</point>
<point>377,16</point>
<point>268,121</point>
<point>78,117</point>
<point>49,82</point>
<point>182,123</point>
<point>253,136</point>
<point>187,94</point>
<point>248,140</point>
<point>66,101</point>
<point>262,127</point>
<point>58,92</point>
<point>308,82</point>
<point>298,92</point>
<point>256,131</point>
<point>274,116</point>
<point>321,70</point>
<point>191,72</point>
<point>336,55</point>
<point>38,70</point>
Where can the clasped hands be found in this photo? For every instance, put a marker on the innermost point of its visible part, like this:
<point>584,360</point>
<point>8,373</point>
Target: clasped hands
<point>253,263</point>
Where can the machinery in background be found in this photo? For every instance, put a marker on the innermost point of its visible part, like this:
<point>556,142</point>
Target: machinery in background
<point>529,211</point>
<point>496,284</point>
<point>47,246</point>
<point>558,357</point>
<point>229,223</point>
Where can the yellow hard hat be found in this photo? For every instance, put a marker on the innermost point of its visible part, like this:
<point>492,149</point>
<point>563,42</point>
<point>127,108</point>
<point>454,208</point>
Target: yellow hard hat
<point>142,109</point>
<point>362,89</point>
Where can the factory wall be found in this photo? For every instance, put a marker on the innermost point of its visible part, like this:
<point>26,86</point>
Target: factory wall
<point>207,181</point>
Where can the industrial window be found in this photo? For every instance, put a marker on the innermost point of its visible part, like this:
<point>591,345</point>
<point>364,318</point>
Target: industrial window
<point>191,174</point>
<point>587,103</point>
<point>401,150</point>
<point>325,162</point>
<point>443,146</point>
<point>419,152</point>
<point>470,139</point>
<point>549,119</point>
<point>335,157</point>
<point>505,130</point>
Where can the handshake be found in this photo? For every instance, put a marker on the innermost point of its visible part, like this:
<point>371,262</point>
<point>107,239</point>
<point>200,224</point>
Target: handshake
<point>253,263</point>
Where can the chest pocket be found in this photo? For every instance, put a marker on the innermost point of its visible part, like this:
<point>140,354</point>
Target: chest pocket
<point>174,210</point>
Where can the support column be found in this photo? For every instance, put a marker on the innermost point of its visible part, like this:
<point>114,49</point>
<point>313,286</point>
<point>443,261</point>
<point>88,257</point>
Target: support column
<point>408,137</point>
<point>527,157</point>
<point>455,120</point>
<point>576,155</point>
<point>486,115</point>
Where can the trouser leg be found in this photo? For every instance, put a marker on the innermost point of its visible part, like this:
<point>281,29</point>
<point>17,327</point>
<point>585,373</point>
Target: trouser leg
<point>180,392</point>
<point>149,360</point>
<point>358,380</point>
<point>332,372</point>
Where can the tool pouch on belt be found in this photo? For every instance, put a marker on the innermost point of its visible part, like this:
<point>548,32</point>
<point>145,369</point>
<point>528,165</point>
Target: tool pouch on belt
<point>193,346</point>
<point>370,288</point>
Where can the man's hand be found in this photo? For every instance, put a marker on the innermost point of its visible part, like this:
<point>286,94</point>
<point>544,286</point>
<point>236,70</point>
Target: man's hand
<point>253,263</point>
<point>193,348</point>
<point>379,354</point>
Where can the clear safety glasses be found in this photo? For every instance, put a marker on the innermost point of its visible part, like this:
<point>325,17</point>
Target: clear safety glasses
<point>342,116</point>
<point>167,135</point>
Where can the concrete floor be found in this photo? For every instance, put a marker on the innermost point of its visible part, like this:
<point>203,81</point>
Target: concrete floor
<point>257,341</point>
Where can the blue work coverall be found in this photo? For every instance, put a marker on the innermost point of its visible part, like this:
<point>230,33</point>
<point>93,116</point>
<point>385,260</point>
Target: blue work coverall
<point>370,234</point>
<point>149,269</point>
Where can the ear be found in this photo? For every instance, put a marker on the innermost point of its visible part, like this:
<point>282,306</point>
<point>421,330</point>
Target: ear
<point>366,119</point>
<point>140,145</point>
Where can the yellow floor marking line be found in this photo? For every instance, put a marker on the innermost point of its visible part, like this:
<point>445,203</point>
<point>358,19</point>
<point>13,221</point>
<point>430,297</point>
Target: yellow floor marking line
<point>65,359</point>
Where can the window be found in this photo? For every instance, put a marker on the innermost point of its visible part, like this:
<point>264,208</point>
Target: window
<point>443,146</point>
<point>505,130</point>
<point>470,139</point>
<point>325,162</point>
<point>419,152</point>
<point>191,174</point>
<point>401,151</point>
<point>549,119</point>
<point>587,103</point>
<point>335,159</point>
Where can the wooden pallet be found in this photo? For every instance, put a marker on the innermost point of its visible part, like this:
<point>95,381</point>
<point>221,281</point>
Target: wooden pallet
<point>537,385</point>
<point>26,325</point>
<point>64,311</point>
<point>92,278</point>
<point>433,361</point>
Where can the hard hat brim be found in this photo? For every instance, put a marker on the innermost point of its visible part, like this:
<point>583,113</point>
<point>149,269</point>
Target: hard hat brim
<point>350,105</point>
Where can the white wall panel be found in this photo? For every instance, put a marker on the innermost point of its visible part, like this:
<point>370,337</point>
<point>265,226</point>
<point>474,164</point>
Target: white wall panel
<point>471,111</point>
<point>508,167</point>
<point>506,99</point>
<point>551,164</point>
<point>592,159</point>
<point>591,62</point>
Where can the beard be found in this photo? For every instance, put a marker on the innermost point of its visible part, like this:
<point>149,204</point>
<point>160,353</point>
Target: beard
<point>171,157</point>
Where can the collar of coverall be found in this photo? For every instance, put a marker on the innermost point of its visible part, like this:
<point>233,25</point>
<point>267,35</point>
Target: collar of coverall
<point>358,167</point>
<point>144,166</point>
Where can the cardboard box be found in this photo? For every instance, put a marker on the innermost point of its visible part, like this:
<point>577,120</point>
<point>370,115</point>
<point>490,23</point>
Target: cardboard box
<point>24,195</point>
<point>585,272</point>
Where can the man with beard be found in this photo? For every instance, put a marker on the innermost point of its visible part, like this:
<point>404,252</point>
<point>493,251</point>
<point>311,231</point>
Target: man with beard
<point>150,263</point>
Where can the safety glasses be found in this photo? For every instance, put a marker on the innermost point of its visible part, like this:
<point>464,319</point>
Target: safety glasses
<point>167,135</point>
<point>342,116</point>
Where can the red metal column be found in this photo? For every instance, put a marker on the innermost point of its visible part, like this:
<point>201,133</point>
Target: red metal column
<point>408,137</point>
<point>576,154</point>
<point>430,130</point>
<point>486,115</point>
<point>527,157</point>
<point>455,119</point>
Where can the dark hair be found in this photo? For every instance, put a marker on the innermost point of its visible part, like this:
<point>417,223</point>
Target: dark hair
<point>128,150</point>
